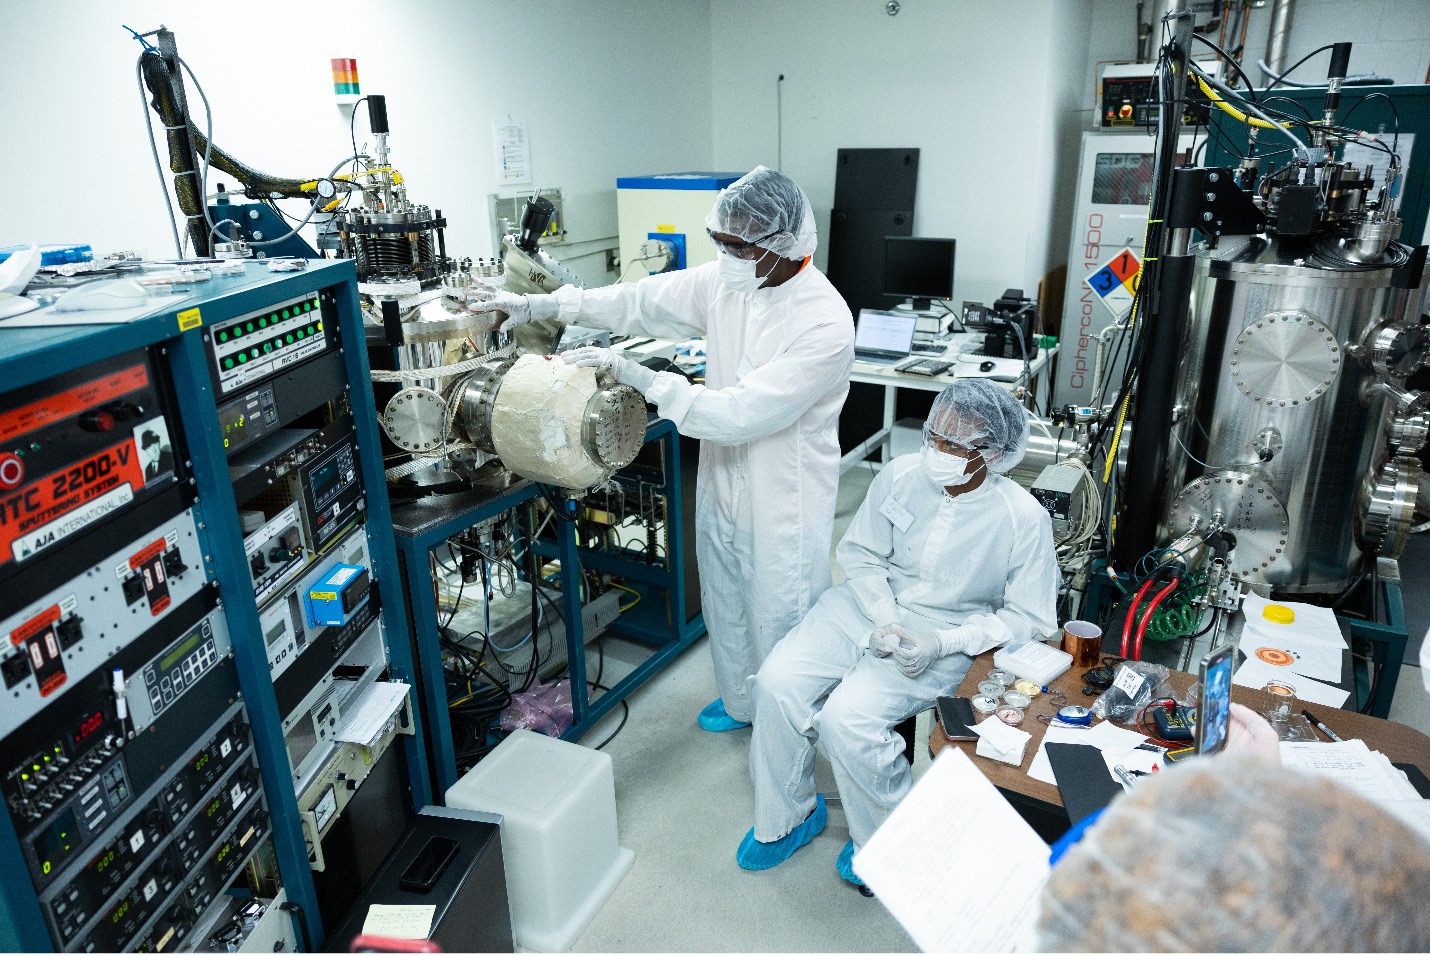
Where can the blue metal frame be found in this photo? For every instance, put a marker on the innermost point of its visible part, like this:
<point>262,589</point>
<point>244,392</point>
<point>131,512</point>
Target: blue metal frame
<point>31,355</point>
<point>585,713</point>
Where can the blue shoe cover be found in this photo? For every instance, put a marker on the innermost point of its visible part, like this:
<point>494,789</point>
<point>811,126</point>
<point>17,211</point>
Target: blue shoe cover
<point>845,865</point>
<point>714,718</point>
<point>754,855</point>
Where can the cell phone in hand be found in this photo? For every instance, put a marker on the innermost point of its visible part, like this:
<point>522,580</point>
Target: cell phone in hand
<point>955,715</point>
<point>1214,700</point>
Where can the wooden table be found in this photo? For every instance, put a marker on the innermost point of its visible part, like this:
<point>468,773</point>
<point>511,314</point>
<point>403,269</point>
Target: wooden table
<point>1042,804</point>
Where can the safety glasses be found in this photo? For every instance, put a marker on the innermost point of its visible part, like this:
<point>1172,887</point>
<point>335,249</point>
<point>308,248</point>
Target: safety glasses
<point>950,445</point>
<point>741,250</point>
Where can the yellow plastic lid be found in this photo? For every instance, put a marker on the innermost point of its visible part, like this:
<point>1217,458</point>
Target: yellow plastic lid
<point>1278,614</point>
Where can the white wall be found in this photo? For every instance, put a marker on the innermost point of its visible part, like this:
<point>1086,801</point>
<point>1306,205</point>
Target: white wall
<point>581,73</point>
<point>982,89</point>
<point>1388,37</point>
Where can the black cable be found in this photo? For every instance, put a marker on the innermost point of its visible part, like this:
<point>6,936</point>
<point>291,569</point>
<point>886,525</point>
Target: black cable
<point>625,715</point>
<point>1250,86</point>
<point>1287,72</point>
<point>1287,99</point>
<point>1395,142</point>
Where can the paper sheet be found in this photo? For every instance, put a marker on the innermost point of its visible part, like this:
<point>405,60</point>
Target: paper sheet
<point>398,922</point>
<point>379,705</point>
<point>999,741</point>
<point>1110,738</point>
<point>1351,764</point>
<point>1115,743</point>
<point>956,865</point>
<point>1313,625</point>
<point>1058,733</point>
<point>48,317</point>
<point>1413,813</point>
<point>1318,661</point>
<point>1256,673</point>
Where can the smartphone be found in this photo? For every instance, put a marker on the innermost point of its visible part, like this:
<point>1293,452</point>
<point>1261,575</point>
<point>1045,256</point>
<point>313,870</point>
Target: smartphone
<point>1214,700</point>
<point>428,866</point>
<point>955,715</point>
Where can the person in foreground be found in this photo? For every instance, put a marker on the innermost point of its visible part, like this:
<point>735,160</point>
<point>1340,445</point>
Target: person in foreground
<point>1235,853</point>
<point>779,345</point>
<point>945,559</point>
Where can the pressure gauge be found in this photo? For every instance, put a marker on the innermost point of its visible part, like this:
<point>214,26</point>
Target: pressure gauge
<point>326,189</point>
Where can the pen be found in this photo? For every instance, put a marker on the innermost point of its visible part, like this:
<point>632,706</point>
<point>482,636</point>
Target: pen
<point>1321,727</point>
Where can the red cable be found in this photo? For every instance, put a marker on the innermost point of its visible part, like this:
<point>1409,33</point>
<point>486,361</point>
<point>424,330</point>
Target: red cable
<point>1147,616</point>
<point>1131,613</point>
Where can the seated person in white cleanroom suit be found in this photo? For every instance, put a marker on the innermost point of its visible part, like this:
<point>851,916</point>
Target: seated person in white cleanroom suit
<point>945,559</point>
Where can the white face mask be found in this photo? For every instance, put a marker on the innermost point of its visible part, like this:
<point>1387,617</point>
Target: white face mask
<point>944,470</point>
<point>739,274</point>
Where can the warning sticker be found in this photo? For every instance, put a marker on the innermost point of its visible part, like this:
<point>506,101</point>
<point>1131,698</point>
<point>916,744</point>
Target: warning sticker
<point>44,512</point>
<point>1116,280</point>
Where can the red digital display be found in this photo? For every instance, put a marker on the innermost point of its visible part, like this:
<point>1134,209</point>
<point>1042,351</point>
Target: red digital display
<point>88,726</point>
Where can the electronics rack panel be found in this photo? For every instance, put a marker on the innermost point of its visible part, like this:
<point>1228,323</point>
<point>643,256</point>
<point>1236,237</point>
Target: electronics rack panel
<point>167,487</point>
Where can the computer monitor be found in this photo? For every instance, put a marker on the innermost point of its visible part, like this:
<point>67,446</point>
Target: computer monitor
<point>919,269</point>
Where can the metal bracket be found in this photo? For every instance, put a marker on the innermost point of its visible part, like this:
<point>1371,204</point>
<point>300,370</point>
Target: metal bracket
<point>1210,201</point>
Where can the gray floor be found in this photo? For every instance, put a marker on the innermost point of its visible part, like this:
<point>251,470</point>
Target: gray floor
<point>683,800</point>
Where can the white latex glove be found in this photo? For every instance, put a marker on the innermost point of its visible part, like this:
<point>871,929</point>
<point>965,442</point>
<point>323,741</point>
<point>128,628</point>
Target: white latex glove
<point>916,652</point>
<point>885,640</point>
<point>520,309</point>
<point>626,371</point>
<point>1249,733</point>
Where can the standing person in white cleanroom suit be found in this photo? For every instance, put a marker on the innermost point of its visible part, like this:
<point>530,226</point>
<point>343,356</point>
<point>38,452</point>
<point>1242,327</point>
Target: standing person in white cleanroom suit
<point>946,558</point>
<point>779,344</point>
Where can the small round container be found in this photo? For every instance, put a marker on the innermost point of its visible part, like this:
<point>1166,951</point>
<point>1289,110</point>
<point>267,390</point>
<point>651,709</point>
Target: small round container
<point>1006,678</point>
<point>991,688</point>
<point>1075,714</point>
<point>1027,687</point>
<point>1010,715</point>
<point>984,703</point>
<point>1016,698</point>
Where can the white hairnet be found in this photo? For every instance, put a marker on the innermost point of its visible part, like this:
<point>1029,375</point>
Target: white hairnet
<point>762,202</point>
<point>1239,854</point>
<point>974,410</point>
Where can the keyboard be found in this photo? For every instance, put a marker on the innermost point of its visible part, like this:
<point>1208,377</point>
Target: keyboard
<point>882,358</point>
<point>930,348</point>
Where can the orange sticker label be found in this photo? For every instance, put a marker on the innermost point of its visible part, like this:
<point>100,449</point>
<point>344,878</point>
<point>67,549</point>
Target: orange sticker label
<point>1272,655</point>
<point>40,622</point>
<point>29,516</point>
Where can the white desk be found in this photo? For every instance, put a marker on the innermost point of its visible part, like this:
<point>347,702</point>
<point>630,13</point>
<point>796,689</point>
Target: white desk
<point>1006,372</point>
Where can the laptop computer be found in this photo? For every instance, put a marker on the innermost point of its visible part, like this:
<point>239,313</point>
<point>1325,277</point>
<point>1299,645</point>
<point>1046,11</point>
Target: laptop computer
<point>884,338</point>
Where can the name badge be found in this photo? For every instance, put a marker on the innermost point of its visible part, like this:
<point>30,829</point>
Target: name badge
<point>897,514</point>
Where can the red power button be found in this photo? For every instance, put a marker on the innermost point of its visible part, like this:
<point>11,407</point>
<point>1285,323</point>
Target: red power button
<point>12,470</point>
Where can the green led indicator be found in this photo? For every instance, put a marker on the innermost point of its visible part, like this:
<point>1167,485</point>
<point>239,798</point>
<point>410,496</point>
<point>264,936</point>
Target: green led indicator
<point>285,313</point>
<point>242,357</point>
<point>267,347</point>
<point>300,333</point>
<point>248,327</point>
<point>228,363</point>
<point>307,306</point>
<point>223,336</point>
<point>262,323</point>
<point>290,338</point>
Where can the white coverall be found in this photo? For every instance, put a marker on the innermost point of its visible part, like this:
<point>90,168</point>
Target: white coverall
<point>777,372</point>
<point>979,569</point>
